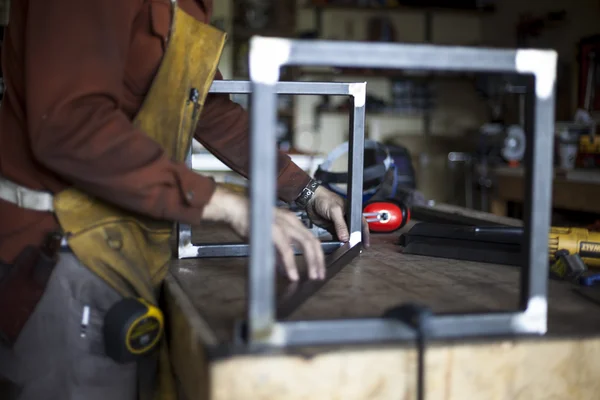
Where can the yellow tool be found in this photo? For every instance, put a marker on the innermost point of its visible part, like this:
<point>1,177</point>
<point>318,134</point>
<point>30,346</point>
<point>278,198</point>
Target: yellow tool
<point>576,241</point>
<point>132,329</point>
<point>568,266</point>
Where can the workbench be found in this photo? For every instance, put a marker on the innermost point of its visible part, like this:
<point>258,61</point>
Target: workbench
<point>205,298</point>
<point>574,190</point>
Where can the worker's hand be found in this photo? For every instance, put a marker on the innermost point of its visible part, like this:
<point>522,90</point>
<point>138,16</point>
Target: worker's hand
<point>327,210</point>
<point>288,231</point>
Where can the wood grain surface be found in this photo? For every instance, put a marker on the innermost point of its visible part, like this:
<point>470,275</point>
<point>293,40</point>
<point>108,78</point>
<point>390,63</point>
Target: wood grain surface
<point>380,278</point>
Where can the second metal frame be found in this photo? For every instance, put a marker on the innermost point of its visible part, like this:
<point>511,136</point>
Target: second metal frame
<point>357,93</point>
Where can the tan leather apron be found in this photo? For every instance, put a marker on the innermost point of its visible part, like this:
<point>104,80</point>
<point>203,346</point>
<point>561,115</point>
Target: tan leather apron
<point>131,252</point>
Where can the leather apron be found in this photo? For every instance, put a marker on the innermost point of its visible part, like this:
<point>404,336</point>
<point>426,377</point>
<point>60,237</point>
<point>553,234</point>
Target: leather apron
<point>128,251</point>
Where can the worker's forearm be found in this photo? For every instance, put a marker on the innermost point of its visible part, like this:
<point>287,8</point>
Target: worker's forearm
<point>122,165</point>
<point>224,206</point>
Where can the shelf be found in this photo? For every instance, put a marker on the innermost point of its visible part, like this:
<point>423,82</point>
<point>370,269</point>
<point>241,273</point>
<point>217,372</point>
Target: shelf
<point>384,74</point>
<point>389,114</point>
<point>401,8</point>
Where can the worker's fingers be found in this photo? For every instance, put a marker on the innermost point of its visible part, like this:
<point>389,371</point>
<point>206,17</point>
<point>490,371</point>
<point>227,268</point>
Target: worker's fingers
<point>339,223</point>
<point>366,235</point>
<point>286,252</point>
<point>311,248</point>
<point>313,253</point>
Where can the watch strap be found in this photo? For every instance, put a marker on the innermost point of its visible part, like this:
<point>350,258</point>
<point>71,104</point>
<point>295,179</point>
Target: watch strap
<point>307,193</point>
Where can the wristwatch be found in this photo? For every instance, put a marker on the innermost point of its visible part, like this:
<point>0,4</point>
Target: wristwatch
<point>307,193</point>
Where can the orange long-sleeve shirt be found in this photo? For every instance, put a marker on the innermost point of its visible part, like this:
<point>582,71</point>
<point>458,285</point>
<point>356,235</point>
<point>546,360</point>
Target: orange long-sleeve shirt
<point>76,74</point>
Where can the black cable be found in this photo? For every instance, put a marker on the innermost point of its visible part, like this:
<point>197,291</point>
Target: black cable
<point>418,318</point>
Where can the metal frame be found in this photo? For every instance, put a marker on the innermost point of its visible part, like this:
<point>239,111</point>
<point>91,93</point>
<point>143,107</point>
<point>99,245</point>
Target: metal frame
<point>356,91</point>
<point>267,56</point>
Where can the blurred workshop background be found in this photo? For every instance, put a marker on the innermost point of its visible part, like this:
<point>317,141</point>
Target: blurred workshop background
<point>464,133</point>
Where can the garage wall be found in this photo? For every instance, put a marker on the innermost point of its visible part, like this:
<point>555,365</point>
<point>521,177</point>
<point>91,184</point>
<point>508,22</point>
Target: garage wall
<point>459,108</point>
<point>583,19</point>
<point>223,16</point>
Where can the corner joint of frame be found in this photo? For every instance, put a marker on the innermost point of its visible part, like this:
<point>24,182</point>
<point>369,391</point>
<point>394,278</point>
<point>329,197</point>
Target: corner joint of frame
<point>542,64</point>
<point>355,238</point>
<point>275,336</point>
<point>358,91</point>
<point>535,318</point>
<point>267,56</point>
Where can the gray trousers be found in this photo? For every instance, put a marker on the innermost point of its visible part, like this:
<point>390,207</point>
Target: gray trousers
<point>53,357</point>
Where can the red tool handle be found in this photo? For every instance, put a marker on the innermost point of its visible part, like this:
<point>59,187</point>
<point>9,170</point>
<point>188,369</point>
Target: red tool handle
<point>385,216</point>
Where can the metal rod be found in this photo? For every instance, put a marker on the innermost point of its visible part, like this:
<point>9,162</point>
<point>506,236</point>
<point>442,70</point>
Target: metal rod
<point>297,294</point>
<point>378,330</point>
<point>350,331</point>
<point>261,282</point>
<point>222,250</point>
<point>356,149</point>
<point>538,195</point>
<point>297,88</point>
<point>183,231</point>
<point>395,55</point>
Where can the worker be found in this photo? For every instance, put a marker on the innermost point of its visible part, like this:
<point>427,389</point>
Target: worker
<point>87,122</point>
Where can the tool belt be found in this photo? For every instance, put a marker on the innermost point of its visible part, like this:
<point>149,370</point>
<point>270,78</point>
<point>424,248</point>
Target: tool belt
<point>22,285</point>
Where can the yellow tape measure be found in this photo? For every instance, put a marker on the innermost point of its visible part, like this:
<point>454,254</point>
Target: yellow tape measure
<point>132,329</point>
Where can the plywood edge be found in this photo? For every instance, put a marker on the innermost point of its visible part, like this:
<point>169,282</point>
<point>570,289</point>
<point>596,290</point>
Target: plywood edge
<point>201,328</point>
<point>189,336</point>
<point>507,369</point>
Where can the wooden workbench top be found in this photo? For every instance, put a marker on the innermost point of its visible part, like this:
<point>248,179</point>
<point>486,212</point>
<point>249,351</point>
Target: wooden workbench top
<point>379,278</point>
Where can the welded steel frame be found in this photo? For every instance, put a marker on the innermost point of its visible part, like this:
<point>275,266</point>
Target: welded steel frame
<point>357,93</point>
<point>268,56</point>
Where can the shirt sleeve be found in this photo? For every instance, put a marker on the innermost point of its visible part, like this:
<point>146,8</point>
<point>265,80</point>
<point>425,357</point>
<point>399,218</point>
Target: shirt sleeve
<point>223,129</point>
<point>75,58</point>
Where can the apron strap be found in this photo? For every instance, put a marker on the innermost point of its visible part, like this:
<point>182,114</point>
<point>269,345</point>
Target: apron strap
<point>24,197</point>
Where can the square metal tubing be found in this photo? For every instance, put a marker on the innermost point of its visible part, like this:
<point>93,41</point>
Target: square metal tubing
<point>356,91</point>
<point>268,55</point>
